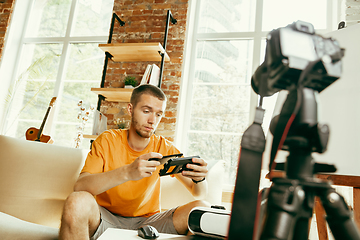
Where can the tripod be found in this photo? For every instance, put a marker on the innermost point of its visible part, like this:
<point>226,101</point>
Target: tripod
<point>291,199</point>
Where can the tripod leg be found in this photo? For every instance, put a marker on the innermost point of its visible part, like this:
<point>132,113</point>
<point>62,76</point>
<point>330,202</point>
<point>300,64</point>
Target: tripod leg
<point>284,202</point>
<point>338,216</point>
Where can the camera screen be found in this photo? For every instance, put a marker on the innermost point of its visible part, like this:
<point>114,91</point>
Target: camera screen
<point>297,44</point>
<point>304,28</point>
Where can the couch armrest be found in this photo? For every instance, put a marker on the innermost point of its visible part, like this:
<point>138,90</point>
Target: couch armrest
<point>36,178</point>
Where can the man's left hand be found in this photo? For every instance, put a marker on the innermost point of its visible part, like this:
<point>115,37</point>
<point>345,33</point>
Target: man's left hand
<point>199,169</point>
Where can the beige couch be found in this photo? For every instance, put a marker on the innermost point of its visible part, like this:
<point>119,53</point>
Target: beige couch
<point>36,178</point>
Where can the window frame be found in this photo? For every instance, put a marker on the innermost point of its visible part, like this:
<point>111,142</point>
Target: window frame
<point>192,37</point>
<point>17,39</point>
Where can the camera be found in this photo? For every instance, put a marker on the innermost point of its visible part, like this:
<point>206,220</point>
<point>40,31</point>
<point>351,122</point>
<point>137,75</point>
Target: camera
<point>289,50</point>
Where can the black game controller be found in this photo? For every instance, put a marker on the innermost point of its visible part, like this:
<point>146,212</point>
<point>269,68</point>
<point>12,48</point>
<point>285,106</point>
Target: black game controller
<point>173,164</point>
<point>164,159</point>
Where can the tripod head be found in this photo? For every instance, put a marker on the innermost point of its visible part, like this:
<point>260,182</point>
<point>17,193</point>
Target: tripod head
<point>305,131</point>
<point>303,136</point>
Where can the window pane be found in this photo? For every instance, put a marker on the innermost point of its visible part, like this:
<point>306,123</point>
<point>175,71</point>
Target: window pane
<point>83,72</point>
<point>220,100</point>
<point>49,18</point>
<point>73,93</point>
<point>30,108</point>
<point>85,63</point>
<point>33,90</point>
<point>226,16</point>
<point>220,108</point>
<point>279,13</point>
<point>93,18</point>
<point>221,91</point>
<point>224,62</point>
<point>214,147</point>
<point>67,122</point>
<point>65,135</point>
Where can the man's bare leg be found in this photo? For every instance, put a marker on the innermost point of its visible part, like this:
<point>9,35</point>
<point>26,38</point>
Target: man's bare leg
<point>81,216</point>
<point>181,214</point>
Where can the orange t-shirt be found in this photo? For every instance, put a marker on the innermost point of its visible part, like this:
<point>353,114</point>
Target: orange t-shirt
<point>133,198</point>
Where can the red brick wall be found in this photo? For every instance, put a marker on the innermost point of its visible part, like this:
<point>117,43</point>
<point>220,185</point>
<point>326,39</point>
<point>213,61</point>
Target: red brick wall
<point>145,21</point>
<point>6,7</point>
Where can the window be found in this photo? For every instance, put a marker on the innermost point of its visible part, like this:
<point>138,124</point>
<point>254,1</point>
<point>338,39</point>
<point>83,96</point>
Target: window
<point>227,44</point>
<point>57,56</point>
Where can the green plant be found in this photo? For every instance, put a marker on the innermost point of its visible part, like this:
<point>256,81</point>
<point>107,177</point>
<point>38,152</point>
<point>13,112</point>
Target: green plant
<point>129,80</point>
<point>121,123</point>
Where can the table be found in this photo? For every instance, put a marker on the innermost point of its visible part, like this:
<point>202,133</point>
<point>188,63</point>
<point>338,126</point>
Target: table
<point>121,234</point>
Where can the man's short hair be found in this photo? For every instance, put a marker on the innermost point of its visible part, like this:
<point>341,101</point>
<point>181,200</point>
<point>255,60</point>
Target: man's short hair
<point>146,89</point>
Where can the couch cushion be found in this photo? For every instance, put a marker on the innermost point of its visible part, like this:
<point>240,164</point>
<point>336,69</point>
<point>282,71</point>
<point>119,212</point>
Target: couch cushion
<point>12,228</point>
<point>174,194</point>
<point>36,178</point>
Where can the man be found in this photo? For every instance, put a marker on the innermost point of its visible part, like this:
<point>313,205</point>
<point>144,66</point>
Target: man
<point>125,184</point>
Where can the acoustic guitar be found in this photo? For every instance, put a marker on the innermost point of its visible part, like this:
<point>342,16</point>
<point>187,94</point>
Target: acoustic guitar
<point>34,134</point>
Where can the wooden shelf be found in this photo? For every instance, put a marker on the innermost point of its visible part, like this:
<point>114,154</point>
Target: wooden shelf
<point>135,52</point>
<point>114,94</point>
<point>91,137</point>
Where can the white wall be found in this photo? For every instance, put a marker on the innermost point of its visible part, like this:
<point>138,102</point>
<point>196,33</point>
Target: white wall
<point>339,107</point>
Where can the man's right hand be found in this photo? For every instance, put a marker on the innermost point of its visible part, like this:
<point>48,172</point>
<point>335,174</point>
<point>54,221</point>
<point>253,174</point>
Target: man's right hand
<point>141,167</point>
<point>100,182</point>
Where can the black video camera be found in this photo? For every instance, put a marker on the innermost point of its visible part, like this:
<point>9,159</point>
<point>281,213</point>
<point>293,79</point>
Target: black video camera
<point>289,51</point>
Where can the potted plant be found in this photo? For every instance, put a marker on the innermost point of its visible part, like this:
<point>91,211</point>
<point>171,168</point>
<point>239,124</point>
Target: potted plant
<point>130,82</point>
<point>121,123</point>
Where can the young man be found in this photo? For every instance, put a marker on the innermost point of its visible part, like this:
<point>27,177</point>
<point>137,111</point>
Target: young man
<point>119,187</point>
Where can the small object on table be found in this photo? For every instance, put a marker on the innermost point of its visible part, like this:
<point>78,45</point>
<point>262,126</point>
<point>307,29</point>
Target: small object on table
<point>148,232</point>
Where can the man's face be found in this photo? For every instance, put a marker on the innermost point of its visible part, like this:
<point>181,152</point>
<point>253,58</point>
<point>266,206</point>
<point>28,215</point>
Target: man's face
<point>146,115</point>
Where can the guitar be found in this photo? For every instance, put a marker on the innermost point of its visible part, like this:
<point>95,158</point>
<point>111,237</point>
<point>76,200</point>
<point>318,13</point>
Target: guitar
<point>34,134</point>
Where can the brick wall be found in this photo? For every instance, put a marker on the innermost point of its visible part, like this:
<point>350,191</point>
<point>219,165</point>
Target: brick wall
<point>6,7</point>
<point>145,21</point>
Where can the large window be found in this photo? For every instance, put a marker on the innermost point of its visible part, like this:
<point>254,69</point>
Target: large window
<point>227,44</point>
<point>57,56</point>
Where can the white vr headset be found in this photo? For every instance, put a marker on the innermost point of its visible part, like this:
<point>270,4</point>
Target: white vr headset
<point>209,222</point>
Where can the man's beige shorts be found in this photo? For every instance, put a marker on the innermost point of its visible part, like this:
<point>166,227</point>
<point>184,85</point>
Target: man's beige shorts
<point>163,222</point>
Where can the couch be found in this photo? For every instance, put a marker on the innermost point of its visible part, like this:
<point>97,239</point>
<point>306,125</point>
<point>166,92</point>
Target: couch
<point>36,178</point>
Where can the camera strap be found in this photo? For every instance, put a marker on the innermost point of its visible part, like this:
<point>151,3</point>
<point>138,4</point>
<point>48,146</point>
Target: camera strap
<point>246,201</point>
<point>286,118</point>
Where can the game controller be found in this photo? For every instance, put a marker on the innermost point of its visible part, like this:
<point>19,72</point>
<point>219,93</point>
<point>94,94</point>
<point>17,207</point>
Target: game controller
<point>174,164</point>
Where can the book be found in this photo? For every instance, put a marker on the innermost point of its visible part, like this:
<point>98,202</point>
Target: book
<point>146,76</point>
<point>154,75</point>
<point>100,123</point>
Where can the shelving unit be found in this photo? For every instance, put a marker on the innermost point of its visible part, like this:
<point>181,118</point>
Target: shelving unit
<point>130,52</point>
